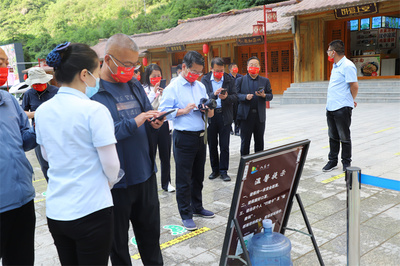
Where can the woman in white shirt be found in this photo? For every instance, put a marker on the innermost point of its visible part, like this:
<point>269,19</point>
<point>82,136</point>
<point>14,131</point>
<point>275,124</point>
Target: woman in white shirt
<point>76,136</point>
<point>151,85</point>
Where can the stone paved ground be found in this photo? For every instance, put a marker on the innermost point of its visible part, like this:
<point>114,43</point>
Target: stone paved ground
<point>376,150</point>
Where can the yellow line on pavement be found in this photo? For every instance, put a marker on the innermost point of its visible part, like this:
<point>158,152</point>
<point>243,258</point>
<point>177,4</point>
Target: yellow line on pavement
<point>39,200</point>
<point>384,130</point>
<point>177,240</point>
<point>325,147</point>
<point>397,153</point>
<point>277,140</point>
<point>333,178</point>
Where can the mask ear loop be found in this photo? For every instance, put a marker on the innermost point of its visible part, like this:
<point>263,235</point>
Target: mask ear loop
<point>114,64</point>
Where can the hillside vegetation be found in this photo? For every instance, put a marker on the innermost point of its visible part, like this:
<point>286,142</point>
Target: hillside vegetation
<point>41,24</point>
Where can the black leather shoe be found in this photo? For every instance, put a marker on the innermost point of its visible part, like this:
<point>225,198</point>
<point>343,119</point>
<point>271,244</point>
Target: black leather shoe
<point>214,175</point>
<point>225,177</point>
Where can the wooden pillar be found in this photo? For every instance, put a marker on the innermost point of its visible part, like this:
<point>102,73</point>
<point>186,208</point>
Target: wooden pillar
<point>297,51</point>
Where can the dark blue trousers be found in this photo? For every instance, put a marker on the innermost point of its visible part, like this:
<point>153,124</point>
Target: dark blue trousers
<point>218,131</point>
<point>17,235</point>
<point>139,205</point>
<point>339,122</point>
<point>190,157</point>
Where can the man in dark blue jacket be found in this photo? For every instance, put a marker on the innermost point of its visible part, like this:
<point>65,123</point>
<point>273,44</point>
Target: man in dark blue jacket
<point>17,211</point>
<point>135,196</point>
<point>253,91</point>
<point>221,87</point>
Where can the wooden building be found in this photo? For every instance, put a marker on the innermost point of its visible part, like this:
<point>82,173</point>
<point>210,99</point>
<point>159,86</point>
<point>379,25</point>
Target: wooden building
<point>369,28</point>
<point>228,35</point>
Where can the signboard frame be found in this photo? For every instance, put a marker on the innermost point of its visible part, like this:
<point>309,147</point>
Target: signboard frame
<point>280,155</point>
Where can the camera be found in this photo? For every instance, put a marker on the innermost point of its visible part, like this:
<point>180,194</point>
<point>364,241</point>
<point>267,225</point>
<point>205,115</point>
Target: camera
<point>210,103</point>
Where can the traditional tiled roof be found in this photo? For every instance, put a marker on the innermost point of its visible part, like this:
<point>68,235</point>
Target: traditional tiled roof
<point>316,6</point>
<point>228,25</point>
<point>223,26</point>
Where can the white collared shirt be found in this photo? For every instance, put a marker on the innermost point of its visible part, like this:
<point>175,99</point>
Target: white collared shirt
<point>343,73</point>
<point>70,127</point>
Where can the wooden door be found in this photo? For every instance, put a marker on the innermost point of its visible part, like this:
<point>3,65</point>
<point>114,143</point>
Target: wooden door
<point>280,66</point>
<point>280,63</point>
<point>335,30</point>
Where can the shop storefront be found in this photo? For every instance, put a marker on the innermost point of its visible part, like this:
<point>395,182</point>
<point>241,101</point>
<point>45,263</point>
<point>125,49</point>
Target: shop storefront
<point>372,39</point>
<point>369,29</point>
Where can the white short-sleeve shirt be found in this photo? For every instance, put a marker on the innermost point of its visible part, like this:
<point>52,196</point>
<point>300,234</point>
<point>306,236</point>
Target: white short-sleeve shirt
<point>70,127</point>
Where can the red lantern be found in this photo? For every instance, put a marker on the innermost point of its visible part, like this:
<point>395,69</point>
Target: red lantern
<point>145,61</point>
<point>258,30</point>
<point>206,49</point>
<point>272,17</point>
<point>25,76</point>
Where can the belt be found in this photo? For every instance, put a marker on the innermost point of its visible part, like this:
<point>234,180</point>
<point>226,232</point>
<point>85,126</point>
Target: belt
<point>193,133</point>
<point>254,111</point>
<point>218,110</point>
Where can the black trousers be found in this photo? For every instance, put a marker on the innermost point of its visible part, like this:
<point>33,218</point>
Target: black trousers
<point>17,232</point>
<point>251,126</point>
<point>190,157</point>
<point>139,205</point>
<point>339,122</point>
<point>163,141</point>
<point>84,241</point>
<point>237,122</point>
<point>44,165</point>
<point>218,131</point>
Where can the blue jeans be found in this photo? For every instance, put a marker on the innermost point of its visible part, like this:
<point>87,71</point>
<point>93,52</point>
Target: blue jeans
<point>339,132</point>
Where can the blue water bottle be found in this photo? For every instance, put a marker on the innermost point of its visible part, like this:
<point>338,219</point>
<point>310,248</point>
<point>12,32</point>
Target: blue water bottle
<point>269,248</point>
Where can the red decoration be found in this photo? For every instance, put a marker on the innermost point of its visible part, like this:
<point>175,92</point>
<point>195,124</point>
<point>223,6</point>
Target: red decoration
<point>206,49</point>
<point>271,16</point>
<point>258,30</point>
<point>25,76</point>
<point>145,61</point>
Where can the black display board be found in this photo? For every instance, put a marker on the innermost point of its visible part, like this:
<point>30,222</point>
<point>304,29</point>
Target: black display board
<point>265,187</point>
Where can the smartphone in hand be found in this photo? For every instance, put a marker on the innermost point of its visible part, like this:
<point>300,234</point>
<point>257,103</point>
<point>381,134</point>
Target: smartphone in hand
<point>163,83</point>
<point>260,89</point>
<point>223,91</point>
<point>161,117</point>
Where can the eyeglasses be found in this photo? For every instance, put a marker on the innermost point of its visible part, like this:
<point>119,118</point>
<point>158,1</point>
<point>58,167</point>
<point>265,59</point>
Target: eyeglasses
<point>254,65</point>
<point>196,73</point>
<point>136,65</point>
<point>329,51</point>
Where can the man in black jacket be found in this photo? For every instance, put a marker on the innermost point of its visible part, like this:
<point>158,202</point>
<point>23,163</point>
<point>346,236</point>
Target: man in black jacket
<point>221,87</point>
<point>253,91</point>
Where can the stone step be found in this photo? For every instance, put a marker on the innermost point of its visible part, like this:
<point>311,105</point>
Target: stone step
<point>318,100</point>
<point>361,89</point>
<point>370,91</point>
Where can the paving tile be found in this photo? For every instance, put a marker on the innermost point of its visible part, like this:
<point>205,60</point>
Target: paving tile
<point>325,204</point>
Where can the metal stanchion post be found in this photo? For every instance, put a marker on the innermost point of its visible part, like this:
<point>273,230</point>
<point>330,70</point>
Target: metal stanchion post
<point>353,175</point>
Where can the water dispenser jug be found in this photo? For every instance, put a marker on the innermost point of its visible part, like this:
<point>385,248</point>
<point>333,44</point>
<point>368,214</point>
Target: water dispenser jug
<point>269,248</point>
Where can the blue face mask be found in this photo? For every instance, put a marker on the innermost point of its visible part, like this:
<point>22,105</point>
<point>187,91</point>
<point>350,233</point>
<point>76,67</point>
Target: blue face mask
<point>90,91</point>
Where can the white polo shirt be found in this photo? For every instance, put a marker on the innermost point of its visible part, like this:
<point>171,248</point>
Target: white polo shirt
<point>70,127</point>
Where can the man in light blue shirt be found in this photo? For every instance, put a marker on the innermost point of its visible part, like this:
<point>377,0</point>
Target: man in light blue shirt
<point>342,91</point>
<point>185,94</point>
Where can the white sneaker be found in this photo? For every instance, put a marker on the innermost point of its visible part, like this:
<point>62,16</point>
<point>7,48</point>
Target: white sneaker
<point>170,188</point>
